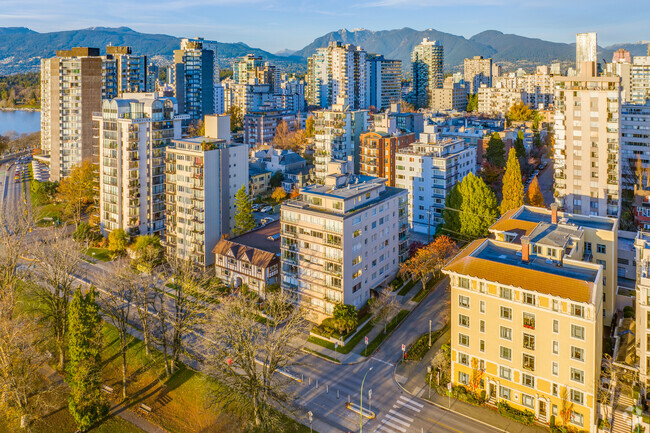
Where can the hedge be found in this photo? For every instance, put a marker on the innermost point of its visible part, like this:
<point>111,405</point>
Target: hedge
<point>523,416</point>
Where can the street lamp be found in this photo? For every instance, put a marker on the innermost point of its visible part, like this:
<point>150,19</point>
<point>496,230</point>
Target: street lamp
<point>311,415</point>
<point>361,401</point>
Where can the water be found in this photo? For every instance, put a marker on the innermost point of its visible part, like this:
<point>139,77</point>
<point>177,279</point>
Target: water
<point>20,121</point>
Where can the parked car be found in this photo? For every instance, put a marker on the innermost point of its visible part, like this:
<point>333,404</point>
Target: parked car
<point>266,221</point>
<point>255,207</point>
<point>266,209</point>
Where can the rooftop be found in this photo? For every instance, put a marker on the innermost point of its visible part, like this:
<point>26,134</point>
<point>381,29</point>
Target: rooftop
<point>260,238</point>
<point>501,262</point>
<point>553,234</point>
<point>526,218</point>
<point>356,184</point>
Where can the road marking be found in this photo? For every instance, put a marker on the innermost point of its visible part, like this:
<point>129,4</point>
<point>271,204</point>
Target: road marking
<point>444,425</point>
<point>397,420</point>
<point>410,400</point>
<point>385,362</point>
<point>395,426</point>
<point>383,427</point>
<point>407,405</point>
<point>394,412</point>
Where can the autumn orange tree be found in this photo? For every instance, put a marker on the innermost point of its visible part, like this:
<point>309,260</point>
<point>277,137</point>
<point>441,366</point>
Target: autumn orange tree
<point>279,194</point>
<point>295,192</point>
<point>567,406</point>
<point>285,138</point>
<point>534,195</point>
<point>78,190</point>
<point>429,259</point>
<point>475,379</point>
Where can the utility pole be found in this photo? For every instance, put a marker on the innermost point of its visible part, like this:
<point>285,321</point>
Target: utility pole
<point>361,401</point>
<point>429,333</point>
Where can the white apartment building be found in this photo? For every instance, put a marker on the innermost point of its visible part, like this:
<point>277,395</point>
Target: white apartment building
<point>336,135</point>
<point>384,82</point>
<point>452,96</point>
<point>640,80</point>
<point>642,246</point>
<point>134,131</point>
<point>477,71</point>
<point>427,71</point>
<point>536,89</point>
<point>342,239</point>
<point>497,100</point>
<point>586,49</point>
<point>635,141</point>
<point>203,174</point>
<point>587,166</point>
<point>428,169</point>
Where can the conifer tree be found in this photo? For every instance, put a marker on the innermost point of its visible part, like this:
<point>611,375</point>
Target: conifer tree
<point>495,152</point>
<point>513,188</point>
<point>534,195</point>
<point>244,219</point>
<point>478,210</point>
<point>451,213</point>
<point>519,145</point>
<point>86,402</point>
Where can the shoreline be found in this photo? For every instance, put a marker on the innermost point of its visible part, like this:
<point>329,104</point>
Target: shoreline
<point>20,109</point>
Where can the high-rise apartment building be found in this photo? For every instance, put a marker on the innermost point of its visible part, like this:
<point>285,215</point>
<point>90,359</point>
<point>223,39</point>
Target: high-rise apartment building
<point>197,76</point>
<point>452,96</point>
<point>427,71</point>
<point>340,240</point>
<point>251,67</point>
<point>124,72</point>
<point>477,71</point>
<point>428,169</point>
<point>134,131</point>
<point>385,81</point>
<point>338,71</point>
<point>640,80</point>
<point>203,174</point>
<point>71,90</point>
<point>635,142</point>
<point>587,166</point>
<point>586,49</point>
<point>642,304</point>
<point>531,330</point>
<point>336,136</point>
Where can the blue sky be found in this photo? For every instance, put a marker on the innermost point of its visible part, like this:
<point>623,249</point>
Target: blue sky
<point>277,24</point>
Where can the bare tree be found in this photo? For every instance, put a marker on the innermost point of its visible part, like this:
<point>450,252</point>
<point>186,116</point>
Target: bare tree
<point>15,224</point>
<point>247,356</point>
<point>119,288</point>
<point>59,258</point>
<point>384,307</point>
<point>144,299</point>
<point>162,329</point>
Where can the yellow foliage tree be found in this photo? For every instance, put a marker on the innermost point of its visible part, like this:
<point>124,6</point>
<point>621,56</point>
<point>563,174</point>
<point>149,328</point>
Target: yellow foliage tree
<point>78,190</point>
<point>279,194</point>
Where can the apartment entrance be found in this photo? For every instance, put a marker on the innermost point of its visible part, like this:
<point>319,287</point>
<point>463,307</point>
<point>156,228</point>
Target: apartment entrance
<point>542,410</point>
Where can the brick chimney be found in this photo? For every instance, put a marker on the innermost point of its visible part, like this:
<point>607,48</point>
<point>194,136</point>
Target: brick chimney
<point>554,213</point>
<point>525,249</point>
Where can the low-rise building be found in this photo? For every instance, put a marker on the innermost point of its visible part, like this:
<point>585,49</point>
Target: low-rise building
<point>259,127</point>
<point>452,96</point>
<point>496,101</point>
<point>259,180</point>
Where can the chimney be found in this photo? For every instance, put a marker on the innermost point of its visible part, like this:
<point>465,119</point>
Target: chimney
<point>554,213</point>
<point>525,249</point>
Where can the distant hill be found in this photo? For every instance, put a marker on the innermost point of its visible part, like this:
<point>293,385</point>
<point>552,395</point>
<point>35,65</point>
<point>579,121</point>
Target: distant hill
<point>21,49</point>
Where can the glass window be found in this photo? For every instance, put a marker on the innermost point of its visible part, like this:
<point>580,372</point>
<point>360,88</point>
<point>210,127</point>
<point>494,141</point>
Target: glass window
<point>463,378</point>
<point>578,332</point>
<point>463,301</point>
<point>481,306</point>
<point>463,358</point>
<point>601,249</point>
<point>577,396</point>
<point>527,400</point>
<point>555,370</point>
<point>528,362</point>
<point>481,345</point>
<point>505,293</point>
<point>463,340</point>
<point>577,353</point>
<point>556,347</point>
<point>528,380</point>
<point>529,341</point>
<point>505,353</point>
<point>529,321</point>
<point>506,333</point>
<point>577,310</point>
<point>482,325</point>
<point>556,305</point>
<point>504,392</point>
<point>556,326</point>
<point>463,320</point>
<point>463,282</point>
<point>577,419</point>
<point>529,298</point>
<point>506,313</point>
<point>505,373</point>
<point>577,375</point>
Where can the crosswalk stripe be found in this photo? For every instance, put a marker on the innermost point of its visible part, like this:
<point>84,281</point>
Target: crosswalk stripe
<point>395,426</point>
<point>383,427</point>
<point>397,420</point>
<point>408,405</point>
<point>410,400</point>
<point>394,412</point>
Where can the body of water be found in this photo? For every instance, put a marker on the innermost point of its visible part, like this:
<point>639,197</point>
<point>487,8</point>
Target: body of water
<point>20,121</point>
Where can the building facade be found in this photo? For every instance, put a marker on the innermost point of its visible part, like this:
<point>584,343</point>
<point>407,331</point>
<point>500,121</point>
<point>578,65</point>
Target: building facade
<point>260,126</point>
<point>497,101</point>
<point>477,71</point>
<point>377,152</point>
<point>452,96</point>
<point>384,81</point>
<point>635,141</point>
<point>640,80</point>
<point>196,76</point>
<point>586,49</point>
<point>124,72</point>
<point>427,71</point>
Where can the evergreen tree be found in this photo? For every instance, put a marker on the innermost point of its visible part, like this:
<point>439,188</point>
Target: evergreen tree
<point>244,219</point>
<point>478,210</point>
<point>86,402</point>
<point>513,188</point>
<point>495,152</point>
<point>451,213</point>
<point>472,103</point>
<point>519,145</point>
<point>534,195</point>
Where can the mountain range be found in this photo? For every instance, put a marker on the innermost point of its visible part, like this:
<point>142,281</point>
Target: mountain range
<point>21,48</point>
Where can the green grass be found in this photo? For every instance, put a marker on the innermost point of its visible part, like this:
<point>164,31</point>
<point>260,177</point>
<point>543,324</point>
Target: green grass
<point>102,254</point>
<point>407,288</point>
<point>349,346</point>
<point>424,291</point>
<point>374,344</point>
<point>420,347</point>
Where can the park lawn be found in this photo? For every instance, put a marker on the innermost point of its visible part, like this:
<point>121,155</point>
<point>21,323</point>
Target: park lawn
<point>51,210</point>
<point>102,254</point>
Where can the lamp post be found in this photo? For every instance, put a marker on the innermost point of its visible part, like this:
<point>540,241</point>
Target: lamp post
<point>361,401</point>
<point>311,415</point>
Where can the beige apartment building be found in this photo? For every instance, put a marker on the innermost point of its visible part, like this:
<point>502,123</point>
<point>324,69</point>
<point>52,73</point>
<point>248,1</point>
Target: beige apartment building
<point>342,239</point>
<point>497,100</point>
<point>477,71</point>
<point>71,90</point>
<point>528,330</point>
<point>452,96</point>
<point>587,166</point>
<point>642,246</point>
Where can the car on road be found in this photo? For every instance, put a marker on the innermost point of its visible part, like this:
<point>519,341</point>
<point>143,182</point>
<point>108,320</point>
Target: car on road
<point>266,209</point>
<point>255,207</point>
<point>265,221</point>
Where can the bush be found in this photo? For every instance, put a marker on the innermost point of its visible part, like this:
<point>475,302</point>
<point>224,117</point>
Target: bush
<point>628,312</point>
<point>523,416</point>
<point>396,283</point>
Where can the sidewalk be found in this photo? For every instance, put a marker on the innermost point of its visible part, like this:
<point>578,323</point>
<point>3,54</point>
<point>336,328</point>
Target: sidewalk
<point>411,376</point>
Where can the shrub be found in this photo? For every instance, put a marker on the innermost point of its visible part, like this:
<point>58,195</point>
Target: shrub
<point>523,416</point>
<point>628,312</point>
<point>552,423</point>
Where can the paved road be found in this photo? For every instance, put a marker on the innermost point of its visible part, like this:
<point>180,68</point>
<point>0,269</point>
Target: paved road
<point>545,179</point>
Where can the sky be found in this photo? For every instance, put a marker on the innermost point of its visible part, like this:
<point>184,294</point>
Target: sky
<point>275,25</point>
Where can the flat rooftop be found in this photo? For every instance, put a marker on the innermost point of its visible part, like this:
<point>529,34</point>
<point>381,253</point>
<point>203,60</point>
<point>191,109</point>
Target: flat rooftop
<point>536,215</point>
<point>553,234</point>
<point>360,185</point>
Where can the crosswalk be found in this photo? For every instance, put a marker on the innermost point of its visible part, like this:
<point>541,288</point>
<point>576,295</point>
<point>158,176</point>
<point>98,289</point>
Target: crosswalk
<point>397,419</point>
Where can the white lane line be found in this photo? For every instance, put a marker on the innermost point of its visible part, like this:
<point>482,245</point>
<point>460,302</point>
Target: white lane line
<point>395,426</point>
<point>397,420</point>
<point>410,400</point>
<point>385,362</point>
<point>408,405</point>
<point>383,427</point>
<point>394,412</point>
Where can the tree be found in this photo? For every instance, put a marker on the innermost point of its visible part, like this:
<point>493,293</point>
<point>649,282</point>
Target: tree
<point>279,194</point>
<point>495,152</point>
<point>144,300</point>
<point>236,118</point>
<point>519,145</point>
<point>429,259</point>
<point>566,408</point>
<point>491,174</point>
<point>513,188</point>
<point>196,129</point>
<point>537,119</point>
<point>117,242</point>
<point>472,102</point>
<point>148,251</point>
<point>384,306</point>
<point>295,193</point>
<point>407,107</point>
<point>244,219</point>
<point>87,403</point>
<point>520,112</point>
<point>84,233</point>
<point>77,190</point>
<point>537,140</point>
<point>345,317</point>
<point>276,179</point>
<point>478,209</point>
<point>282,138</point>
<point>476,378</point>
<point>414,247</point>
<point>534,195</point>
<point>451,213</point>
<point>247,357</point>
<point>309,127</point>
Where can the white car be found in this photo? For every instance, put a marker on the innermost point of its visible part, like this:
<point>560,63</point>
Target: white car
<point>266,209</point>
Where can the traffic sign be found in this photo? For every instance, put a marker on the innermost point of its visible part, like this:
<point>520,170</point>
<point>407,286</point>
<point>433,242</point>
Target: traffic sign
<point>366,340</point>
<point>403,348</point>
<point>449,386</point>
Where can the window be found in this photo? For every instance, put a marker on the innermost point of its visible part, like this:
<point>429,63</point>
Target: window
<point>504,392</point>
<point>556,326</point>
<point>505,293</point>
<point>529,342</point>
<point>555,370</point>
<point>356,260</point>
<point>577,397</point>
<point>528,362</point>
<point>578,332</point>
<point>577,310</point>
<point>527,400</point>
<point>577,353</point>
<point>356,275</point>
<point>463,301</point>
<point>528,380</point>
<point>577,375</point>
<point>481,287</point>
<point>556,348</point>
<point>556,305</point>
<point>529,321</point>
<point>577,418</point>
<point>506,333</point>
<point>463,358</point>
<point>463,320</point>
<point>529,298</point>
<point>554,407</point>
<point>506,313</point>
<point>481,345</point>
<point>482,325</point>
<point>463,340</point>
<point>601,249</point>
<point>463,282</point>
<point>505,373</point>
<point>481,306</point>
<point>505,353</point>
